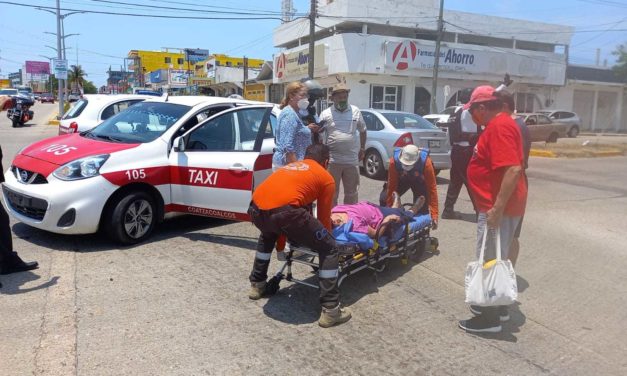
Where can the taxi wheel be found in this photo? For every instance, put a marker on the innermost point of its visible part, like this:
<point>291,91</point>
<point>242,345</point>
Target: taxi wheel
<point>133,218</point>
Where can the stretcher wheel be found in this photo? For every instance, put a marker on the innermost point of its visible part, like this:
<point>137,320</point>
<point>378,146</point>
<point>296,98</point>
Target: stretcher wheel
<point>419,250</point>
<point>272,286</point>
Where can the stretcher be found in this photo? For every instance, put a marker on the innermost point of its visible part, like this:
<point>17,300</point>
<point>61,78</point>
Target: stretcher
<point>357,251</point>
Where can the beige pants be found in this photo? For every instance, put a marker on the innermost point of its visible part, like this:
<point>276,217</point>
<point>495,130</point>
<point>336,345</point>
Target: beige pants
<point>349,175</point>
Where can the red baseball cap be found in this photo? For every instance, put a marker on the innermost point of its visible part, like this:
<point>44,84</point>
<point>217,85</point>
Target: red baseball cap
<point>483,93</point>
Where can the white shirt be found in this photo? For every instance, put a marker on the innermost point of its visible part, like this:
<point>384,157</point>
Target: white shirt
<point>341,134</point>
<point>468,126</point>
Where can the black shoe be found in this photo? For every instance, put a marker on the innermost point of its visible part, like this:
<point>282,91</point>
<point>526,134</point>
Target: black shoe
<point>503,312</point>
<point>19,266</point>
<point>479,324</point>
<point>450,214</point>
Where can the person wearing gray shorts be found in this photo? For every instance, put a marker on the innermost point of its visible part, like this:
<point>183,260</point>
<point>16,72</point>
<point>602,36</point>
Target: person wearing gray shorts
<point>498,190</point>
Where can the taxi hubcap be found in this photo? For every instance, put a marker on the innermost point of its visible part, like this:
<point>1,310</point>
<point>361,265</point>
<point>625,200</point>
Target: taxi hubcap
<point>138,219</point>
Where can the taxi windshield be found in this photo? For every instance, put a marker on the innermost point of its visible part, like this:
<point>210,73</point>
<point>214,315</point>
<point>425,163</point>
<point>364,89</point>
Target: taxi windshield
<point>142,122</point>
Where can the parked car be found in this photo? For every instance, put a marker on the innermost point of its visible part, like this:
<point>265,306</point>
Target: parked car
<point>566,117</point>
<point>92,109</point>
<point>389,129</point>
<point>541,128</point>
<point>46,98</point>
<point>8,91</point>
<point>73,97</point>
<point>195,155</point>
<point>440,120</point>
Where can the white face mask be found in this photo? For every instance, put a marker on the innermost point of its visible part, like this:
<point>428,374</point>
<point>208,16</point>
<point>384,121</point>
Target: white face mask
<point>406,167</point>
<point>303,104</point>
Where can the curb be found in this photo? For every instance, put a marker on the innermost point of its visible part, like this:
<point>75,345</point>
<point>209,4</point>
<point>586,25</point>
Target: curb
<point>609,153</point>
<point>53,120</point>
<point>542,153</point>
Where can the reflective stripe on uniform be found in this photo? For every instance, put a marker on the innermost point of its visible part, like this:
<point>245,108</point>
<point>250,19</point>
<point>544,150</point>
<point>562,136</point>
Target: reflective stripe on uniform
<point>263,256</point>
<point>328,273</point>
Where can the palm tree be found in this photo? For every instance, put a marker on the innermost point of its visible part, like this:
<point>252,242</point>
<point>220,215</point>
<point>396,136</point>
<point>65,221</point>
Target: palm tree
<point>77,75</point>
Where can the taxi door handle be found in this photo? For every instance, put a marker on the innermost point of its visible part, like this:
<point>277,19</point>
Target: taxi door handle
<point>238,167</point>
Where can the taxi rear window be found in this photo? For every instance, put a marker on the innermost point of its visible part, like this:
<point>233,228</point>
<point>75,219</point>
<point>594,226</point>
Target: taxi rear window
<point>76,110</point>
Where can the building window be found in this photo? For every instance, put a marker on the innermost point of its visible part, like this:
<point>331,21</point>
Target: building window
<point>386,97</point>
<point>168,60</point>
<point>180,61</point>
<point>228,64</point>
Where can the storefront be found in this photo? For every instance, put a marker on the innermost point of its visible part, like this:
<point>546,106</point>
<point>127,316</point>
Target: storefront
<point>388,61</point>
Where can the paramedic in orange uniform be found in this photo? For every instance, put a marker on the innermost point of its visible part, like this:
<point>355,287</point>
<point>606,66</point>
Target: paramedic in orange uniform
<point>279,206</point>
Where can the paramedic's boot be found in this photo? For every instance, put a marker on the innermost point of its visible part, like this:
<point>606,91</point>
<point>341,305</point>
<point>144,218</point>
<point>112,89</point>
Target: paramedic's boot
<point>334,316</point>
<point>257,290</point>
<point>418,204</point>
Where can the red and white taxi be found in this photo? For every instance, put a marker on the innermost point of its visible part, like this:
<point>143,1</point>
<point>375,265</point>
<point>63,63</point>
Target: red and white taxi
<point>198,155</point>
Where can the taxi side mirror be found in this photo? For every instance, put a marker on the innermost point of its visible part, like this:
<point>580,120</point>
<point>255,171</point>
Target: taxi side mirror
<point>179,144</point>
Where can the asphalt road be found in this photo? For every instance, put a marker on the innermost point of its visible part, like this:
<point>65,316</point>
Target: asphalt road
<point>177,305</point>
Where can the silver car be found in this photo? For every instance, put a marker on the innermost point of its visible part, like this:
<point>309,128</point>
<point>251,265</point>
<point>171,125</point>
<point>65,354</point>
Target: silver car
<point>389,129</point>
<point>566,117</point>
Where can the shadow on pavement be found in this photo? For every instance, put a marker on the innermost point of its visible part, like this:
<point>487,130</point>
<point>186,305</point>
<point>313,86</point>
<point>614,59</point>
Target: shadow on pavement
<point>179,226</point>
<point>12,282</point>
<point>297,304</point>
<point>516,320</point>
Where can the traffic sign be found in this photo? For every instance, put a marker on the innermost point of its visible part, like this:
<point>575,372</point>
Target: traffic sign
<point>60,68</point>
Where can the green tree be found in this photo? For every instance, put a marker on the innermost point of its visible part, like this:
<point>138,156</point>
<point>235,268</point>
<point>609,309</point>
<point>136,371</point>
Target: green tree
<point>90,88</point>
<point>620,68</point>
<point>76,75</point>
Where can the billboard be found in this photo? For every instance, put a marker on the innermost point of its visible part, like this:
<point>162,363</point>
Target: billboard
<point>37,67</point>
<point>195,55</point>
<point>178,77</point>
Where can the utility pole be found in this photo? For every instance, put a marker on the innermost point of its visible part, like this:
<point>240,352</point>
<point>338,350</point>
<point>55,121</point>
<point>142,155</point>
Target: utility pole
<point>245,75</point>
<point>312,31</point>
<point>436,64</point>
<point>59,56</point>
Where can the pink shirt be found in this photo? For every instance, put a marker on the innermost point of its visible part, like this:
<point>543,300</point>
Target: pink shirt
<point>363,215</point>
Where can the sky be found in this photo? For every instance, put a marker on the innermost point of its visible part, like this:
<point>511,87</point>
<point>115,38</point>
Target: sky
<point>105,40</point>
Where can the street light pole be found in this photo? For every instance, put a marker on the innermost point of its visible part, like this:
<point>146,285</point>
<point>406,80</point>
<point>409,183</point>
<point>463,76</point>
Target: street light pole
<point>59,56</point>
<point>436,64</point>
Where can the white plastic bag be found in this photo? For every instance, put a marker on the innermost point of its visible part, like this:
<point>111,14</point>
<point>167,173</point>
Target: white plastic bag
<point>493,286</point>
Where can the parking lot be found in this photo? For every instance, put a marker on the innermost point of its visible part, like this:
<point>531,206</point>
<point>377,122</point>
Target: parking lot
<point>178,305</point>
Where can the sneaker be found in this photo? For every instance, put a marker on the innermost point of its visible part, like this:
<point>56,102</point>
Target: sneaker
<point>503,312</point>
<point>450,214</point>
<point>334,316</point>
<point>479,324</point>
<point>257,290</point>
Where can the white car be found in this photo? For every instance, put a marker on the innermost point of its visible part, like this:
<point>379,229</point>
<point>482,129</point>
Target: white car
<point>198,155</point>
<point>92,109</point>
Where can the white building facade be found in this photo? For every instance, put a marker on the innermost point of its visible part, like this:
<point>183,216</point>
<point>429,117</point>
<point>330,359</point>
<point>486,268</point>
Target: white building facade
<point>384,50</point>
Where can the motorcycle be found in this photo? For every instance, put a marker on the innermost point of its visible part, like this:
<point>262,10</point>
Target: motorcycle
<point>20,112</point>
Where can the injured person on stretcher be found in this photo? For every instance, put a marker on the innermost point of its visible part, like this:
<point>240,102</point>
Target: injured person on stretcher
<point>371,219</point>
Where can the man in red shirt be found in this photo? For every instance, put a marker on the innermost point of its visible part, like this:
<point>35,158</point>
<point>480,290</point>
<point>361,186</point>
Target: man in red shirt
<point>494,178</point>
<point>280,206</point>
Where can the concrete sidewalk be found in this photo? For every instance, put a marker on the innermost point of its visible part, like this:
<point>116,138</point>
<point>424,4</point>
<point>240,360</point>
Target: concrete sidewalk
<point>583,146</point>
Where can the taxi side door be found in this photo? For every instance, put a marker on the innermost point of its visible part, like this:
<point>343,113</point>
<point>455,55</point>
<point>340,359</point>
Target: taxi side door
<point>213,164</point>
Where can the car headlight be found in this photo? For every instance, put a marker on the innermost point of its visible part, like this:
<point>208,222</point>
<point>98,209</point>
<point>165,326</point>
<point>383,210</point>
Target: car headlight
<point>81,168</point>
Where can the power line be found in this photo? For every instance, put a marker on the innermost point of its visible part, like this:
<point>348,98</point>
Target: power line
<point>143,15</point>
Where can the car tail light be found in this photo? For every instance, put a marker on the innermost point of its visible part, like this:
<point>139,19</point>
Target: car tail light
<point>405,139</point>
<point>73,127</point>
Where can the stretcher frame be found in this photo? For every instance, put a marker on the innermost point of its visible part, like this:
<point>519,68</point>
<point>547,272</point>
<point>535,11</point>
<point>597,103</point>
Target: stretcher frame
<point>352,259</point>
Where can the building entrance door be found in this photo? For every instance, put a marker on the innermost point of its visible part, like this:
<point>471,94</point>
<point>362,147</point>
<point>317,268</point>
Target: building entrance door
<point>422,101</point>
